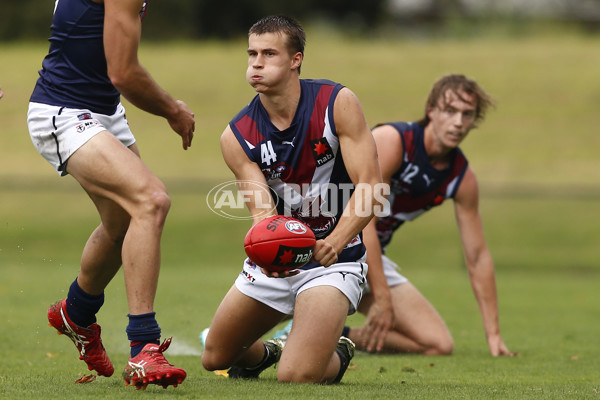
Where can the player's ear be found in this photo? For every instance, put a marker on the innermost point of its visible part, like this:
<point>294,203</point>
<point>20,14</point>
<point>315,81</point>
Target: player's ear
<point>297,60</point>
<point>429,110</point>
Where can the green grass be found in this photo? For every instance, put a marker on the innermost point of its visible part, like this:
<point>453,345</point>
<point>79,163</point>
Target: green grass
<point>535,156</point>
<point>548,309</point>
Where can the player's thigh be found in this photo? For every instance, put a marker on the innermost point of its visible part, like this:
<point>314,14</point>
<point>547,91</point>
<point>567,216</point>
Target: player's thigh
<point>415,316</point>
<point>106,168</point>
<point>115,219</point>
<point>319,317</point>
<point>238,322</point>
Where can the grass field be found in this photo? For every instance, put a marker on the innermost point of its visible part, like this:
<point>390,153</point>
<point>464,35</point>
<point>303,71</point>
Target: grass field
<point>535,156</point>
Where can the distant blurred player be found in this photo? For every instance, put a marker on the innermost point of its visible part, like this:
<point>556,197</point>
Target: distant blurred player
<point>76,121</point>
<point>295,132</point>
<point>424,166</point>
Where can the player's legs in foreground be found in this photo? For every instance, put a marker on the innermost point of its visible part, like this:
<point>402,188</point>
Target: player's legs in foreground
<point>108,170</point>
<point>418,327</point>
<point>100,261</point>
<point>235,331</point>
<point>310,354</point>
<point>111,173</point>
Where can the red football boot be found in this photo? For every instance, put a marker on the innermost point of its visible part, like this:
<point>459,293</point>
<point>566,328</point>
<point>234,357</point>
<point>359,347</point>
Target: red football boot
<point>87,340</point>
<point>151,367</point>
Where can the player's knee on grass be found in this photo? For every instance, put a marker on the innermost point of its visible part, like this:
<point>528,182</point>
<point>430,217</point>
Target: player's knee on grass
<point>443,346</point>
<point>297,376</point>
<point>212,362</point>
<point>300,372</point>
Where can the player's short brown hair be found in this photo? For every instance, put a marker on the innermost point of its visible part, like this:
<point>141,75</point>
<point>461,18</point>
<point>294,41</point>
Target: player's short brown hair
<point>296,37</point>
<point>458,83</point>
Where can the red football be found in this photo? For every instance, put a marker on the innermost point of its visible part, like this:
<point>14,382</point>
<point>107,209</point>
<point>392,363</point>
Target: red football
<point>280,243</point>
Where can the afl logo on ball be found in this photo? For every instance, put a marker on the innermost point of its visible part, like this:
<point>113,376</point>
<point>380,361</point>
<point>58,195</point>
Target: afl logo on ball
<point>295,227</point>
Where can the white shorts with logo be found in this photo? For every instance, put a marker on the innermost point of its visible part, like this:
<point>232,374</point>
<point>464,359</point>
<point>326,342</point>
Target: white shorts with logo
<point>280,293</point>
<point>57,132</point>
<point>391,270</point>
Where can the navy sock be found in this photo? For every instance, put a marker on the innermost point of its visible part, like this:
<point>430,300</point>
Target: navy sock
<point>142,329</point>
<point>346,331</point>
<point>81,306</point>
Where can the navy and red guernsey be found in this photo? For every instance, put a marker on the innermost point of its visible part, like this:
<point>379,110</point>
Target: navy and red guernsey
<point>74,73</point>
<point>302,164</point>
<point>417,186</point>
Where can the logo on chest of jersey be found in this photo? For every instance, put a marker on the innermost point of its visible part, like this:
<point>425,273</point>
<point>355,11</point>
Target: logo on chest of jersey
<point>321,151</point>
<point>437,200</point>
<point>277,171</point>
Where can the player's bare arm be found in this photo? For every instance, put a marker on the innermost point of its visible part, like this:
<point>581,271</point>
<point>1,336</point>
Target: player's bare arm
<point>479,260</point>
<point>360,158</point>
<point>389,149</point>
<point>249,178</point>
<point>380,315</point>
<point>122,32</point>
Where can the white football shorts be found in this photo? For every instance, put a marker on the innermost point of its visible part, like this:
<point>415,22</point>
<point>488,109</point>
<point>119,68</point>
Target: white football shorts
<point>280,294</point>
<point>391,270</point>
<point>57,132</point>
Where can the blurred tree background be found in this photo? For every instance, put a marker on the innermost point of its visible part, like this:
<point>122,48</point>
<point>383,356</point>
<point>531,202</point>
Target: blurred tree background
<point>210,19</point>
<point>197,19</point>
